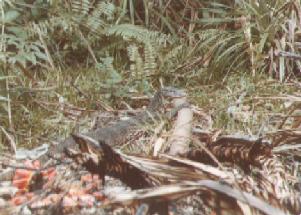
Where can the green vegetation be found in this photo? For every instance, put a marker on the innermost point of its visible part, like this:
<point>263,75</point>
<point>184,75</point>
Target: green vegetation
<point>62,60</point>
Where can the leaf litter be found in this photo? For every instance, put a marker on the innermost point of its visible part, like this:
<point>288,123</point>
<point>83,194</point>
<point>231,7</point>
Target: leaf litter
<point>261,171</point>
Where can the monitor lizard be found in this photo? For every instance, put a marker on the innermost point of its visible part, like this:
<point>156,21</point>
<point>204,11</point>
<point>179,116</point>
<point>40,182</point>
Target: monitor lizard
<point>116,134</point>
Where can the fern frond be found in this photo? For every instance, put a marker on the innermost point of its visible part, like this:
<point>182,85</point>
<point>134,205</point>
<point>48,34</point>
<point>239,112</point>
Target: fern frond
<point>106,8</point>
<point>103,12</point>
<point>128,32</point>
<point>136,66</point>
<point>81,6</point>
<point>94,17</point>
<point>150,63</point>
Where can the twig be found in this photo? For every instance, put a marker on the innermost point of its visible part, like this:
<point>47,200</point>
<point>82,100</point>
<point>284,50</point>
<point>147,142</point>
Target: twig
<point>88,46</point>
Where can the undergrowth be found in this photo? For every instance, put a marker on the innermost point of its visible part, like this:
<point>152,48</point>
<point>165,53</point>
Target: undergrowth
<point>62,63</point>
<point>63,60</point>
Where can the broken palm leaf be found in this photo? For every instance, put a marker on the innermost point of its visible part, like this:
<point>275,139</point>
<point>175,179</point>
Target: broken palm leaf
<point>208,189</point>
<point>240,151</point>
<point>99,158</point>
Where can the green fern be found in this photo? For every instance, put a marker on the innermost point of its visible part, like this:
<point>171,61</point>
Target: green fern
<point>136,66</point>
<point>93,17</point>
<point>129,31</point>
<point>150,63</point>
<point>242,35</point>
<point>81,7</point>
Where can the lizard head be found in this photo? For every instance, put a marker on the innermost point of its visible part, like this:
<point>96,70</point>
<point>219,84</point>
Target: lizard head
<point>166,93</point>
<point>172,92</point>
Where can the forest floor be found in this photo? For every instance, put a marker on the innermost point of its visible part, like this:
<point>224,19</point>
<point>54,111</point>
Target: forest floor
<point>240,107</point>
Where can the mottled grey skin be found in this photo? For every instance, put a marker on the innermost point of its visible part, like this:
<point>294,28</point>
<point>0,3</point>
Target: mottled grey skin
<point>116,134</point>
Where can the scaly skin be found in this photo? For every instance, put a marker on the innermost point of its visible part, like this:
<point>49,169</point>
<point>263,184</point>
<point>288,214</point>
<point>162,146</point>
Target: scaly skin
<point>117,134</point>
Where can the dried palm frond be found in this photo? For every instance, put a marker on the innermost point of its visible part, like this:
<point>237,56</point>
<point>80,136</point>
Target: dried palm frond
<point>102,159</point>
<point>238,151</point>
<point>220,196</point>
